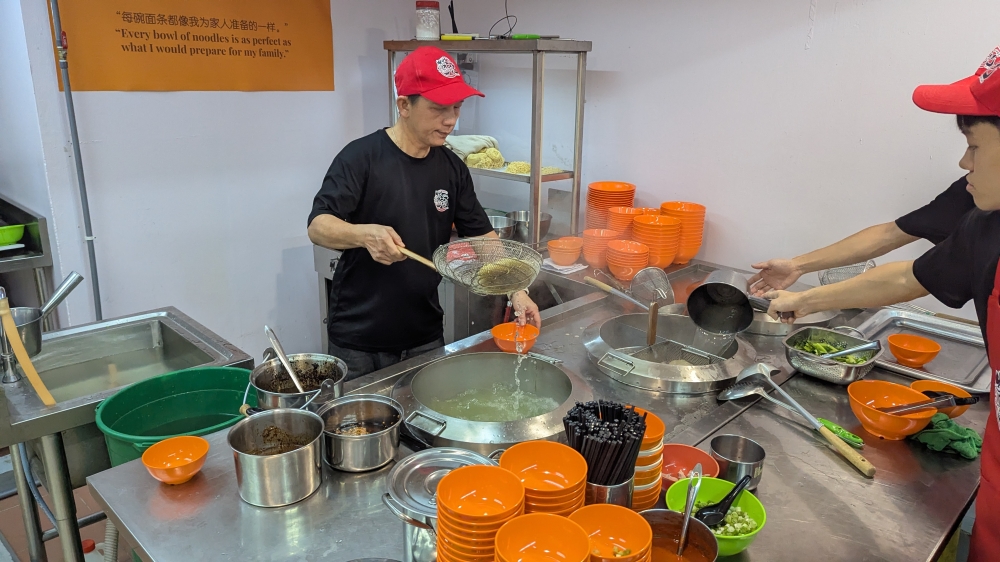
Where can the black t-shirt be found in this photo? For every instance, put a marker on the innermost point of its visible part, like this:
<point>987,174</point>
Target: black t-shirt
<point>936,220</point>
<point>964,265</point>
<point>375,307</point>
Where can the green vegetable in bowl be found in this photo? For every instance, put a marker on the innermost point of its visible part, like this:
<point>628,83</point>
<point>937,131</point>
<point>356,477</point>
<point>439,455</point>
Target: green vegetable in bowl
<point>817,347</point>
<point>736,523</point>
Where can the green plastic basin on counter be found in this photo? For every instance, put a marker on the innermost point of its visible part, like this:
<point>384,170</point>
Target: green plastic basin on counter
<point>195,401</point>
<point>713,490</point>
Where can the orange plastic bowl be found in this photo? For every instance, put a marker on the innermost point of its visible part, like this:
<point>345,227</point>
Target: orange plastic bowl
<point>625,273</point>
<point>952,412</point>
<point>655,428</point>
<point>560,509</point>
<point>480,494</point>
<point>479,531</point>
<point>600,234</point>
<point>913,351</point>
<point>678,457</point>
<point>545,468</point>
<point>504,335</point>
<point>610,526</point>
<point>866,395</point>
<point>542,536</point>
<point>177,459</point>
<point>564,258</point>
<point>571,242</point>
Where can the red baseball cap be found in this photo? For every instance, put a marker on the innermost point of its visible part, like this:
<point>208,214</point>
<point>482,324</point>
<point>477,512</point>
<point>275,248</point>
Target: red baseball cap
<point>978,94</point>
<point>433,74</point>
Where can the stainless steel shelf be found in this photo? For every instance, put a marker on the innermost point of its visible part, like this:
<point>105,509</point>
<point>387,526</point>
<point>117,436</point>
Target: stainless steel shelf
<point>495,45</point>
<point>523,178</point>
<point>36,252</point>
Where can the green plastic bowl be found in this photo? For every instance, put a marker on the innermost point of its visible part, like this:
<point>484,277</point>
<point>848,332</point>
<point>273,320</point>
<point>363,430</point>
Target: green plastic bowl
<point>11,234</point>
<point>713,490</point>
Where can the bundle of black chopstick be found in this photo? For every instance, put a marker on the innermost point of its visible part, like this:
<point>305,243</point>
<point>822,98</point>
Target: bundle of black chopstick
<point>609,436</point>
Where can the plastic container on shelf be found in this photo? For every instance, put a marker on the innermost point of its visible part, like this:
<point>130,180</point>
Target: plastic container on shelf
<point>428,20</point>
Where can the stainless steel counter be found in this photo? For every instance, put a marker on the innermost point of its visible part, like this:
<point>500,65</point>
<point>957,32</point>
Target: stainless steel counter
<point>818,506</point>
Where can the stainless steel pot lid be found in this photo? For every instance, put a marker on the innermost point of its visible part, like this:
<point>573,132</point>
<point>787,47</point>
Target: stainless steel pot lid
<point>413,481</point>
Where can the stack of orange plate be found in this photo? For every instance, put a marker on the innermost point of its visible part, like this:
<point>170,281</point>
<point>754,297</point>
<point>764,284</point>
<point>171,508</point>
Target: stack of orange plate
<point>625,258</point>
<point>692,217</point>
<point>614,530</point>
<point>474,502</point>
<point>554,476</point>
<point>661,234</point>
<point>620,219</point>
<point>602,195</point>
<point>648,478</point>
<point>541,537</point>
<point>595,246</point>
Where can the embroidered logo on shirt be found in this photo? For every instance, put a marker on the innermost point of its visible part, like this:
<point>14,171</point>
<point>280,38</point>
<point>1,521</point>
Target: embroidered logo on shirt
<point>990,65</point>
<point>447,68</point>
<point>441,200</point>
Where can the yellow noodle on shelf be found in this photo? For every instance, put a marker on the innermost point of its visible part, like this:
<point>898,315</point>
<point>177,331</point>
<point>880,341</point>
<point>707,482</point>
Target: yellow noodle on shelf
<point>525,168</point>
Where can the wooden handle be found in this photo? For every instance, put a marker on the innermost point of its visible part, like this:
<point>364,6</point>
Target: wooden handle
<point>602,286</point>
<point>848,452</point>
<point>957,319</point>
<point>654,310</point>
<point>417,257</point>
<point>14,337</point>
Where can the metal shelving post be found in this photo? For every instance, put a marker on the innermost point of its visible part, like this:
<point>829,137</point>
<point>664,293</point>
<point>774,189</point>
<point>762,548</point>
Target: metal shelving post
<point>538,48</point>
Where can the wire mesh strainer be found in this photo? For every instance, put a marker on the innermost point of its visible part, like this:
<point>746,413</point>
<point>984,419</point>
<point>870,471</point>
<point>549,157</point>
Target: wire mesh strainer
<point>838,274</point>
<point>651,285</point>
<point>486,266</point>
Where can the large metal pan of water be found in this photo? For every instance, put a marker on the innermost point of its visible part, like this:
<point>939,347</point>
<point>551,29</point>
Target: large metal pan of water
<point>446,401</point>
<point>610,344</point>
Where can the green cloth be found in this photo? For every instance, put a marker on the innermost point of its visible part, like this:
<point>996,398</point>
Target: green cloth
<point>943,434</point>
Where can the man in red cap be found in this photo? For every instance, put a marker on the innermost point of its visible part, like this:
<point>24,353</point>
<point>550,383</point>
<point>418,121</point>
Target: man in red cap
<point>399,187</point>
<point>961,268</point>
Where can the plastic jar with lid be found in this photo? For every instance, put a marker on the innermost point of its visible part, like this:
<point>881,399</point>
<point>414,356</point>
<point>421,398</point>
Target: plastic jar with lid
<point>428,20</point>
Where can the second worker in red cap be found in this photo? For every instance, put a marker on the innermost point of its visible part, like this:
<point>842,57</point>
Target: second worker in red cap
<point>399,186</point>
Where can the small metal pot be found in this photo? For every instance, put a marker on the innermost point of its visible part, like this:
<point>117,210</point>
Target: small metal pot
<point>667,526</point>
<point>738,457</point>
<point>359,453</point>
<point>334,368</point>
<point>503,226</point>
<point>274,480</point>
<point>29,320</point>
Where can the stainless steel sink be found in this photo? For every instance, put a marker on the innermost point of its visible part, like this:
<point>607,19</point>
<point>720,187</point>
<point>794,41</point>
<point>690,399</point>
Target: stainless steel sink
<point>83,365</point>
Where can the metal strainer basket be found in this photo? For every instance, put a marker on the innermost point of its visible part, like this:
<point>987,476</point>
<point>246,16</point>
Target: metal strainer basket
<point>838,274</point>
<point>486,266</point>
<point>651,285</point>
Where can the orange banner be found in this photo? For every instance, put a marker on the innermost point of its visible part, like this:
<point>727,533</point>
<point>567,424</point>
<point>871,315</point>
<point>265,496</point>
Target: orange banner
<point>178,45</point>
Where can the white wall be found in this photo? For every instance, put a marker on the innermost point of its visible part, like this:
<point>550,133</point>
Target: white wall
<point>791,120</point>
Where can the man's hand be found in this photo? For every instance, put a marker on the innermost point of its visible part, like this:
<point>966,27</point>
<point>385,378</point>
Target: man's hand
<point>794,304</point>
<point>525,310</point>
<point>382,243</point>
<point>774,275</point>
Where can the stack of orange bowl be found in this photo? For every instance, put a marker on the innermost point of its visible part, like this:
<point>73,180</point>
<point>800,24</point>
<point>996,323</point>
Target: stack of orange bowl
<point>692,217</point>
<point>474,502</point>
<point>595,246</point>
<point>626,258</point>
<point>602,195</point>
<point>566,250</point>
<point>649,210</point>
<point>661,234</point>
<point>616,534</point>
<point>541,537</point>
<point>648,479</point>
<point>620,219</point>
<point>554,476</point>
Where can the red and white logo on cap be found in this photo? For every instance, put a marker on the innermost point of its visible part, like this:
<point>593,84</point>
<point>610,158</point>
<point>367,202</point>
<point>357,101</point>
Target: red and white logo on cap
<point>989,65</point>
<point>447,68</point>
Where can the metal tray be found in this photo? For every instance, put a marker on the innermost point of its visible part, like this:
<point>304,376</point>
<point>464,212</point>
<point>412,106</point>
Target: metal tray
<point>962,361</point>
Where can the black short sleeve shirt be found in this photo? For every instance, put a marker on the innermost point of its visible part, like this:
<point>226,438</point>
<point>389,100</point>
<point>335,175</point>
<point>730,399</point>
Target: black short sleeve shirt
<point>936,220</point>
<point>963,266</point>
<point>375,307</point>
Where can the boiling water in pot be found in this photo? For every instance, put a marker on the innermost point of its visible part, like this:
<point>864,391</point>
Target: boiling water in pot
<point>501,403</point>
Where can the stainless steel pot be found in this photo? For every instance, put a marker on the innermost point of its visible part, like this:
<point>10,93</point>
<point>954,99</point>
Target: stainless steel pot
<point>378,415</point>
<point>274,480</point>
<point>29,320</point>
<point>611,342</point>
<point>503,226</point>
<point>450,376</point>
<point>721,304</point>
<point>522,225</point>
<point>325,366</point>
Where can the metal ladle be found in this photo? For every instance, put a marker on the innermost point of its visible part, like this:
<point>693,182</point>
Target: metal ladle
<point>694,484</point>
<point>283,358</point>
<point>764,371</point>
